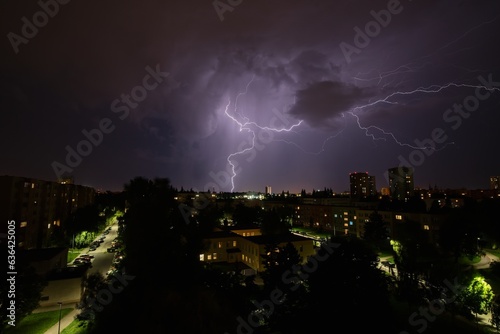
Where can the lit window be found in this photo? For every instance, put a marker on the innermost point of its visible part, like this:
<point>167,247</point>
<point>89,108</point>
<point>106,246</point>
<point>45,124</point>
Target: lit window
<point>399,217</point>
<point>209,257</point>
<point>24,224</point>
<point>220,244</point>
<point>234,243</point>
<point>426,227</point>
<point>202,257</point>
<point>214,256</point>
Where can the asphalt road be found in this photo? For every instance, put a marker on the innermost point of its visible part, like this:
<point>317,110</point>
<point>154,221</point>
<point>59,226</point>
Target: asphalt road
<point>102,259</point>
<point>101,263</point>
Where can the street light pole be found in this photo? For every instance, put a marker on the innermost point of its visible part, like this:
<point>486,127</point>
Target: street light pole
<point>59,328</point>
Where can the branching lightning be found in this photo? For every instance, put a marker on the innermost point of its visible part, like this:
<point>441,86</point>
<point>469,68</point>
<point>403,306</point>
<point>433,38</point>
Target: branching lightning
<point>424,90</point>
<point>247,125</point>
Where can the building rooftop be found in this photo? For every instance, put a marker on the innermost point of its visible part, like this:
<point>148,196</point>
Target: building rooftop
<point>268,239</point>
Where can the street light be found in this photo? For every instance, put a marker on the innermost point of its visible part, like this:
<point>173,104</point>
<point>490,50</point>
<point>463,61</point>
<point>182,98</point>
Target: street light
<point>59,328</point>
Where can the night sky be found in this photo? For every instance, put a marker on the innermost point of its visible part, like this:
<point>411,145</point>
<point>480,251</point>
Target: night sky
<point>175,88</point>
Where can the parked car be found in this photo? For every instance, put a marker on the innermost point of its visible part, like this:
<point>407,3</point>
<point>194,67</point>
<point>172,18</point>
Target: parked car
<point>111,249</point>
<point>82,262</point>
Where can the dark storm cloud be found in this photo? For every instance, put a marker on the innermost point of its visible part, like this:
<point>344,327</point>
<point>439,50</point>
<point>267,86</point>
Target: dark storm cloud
<point>323,102</point>
<point>284,54</point>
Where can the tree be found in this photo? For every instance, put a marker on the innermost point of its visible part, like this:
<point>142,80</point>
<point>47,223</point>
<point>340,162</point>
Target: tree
<point>376,231</point>
<point>273,223</point>
<point>459,234</point>
<point>495,313</point>
<point>407,246</point>
<point>91,285</point>
<point>279,261</point>
<point>276,261</point>
<point>349,282</point>
<point>28,291</point>
<point>477,296</point>
<point>244,215</point>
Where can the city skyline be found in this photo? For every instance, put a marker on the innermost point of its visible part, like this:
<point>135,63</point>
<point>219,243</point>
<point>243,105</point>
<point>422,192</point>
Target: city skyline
<point>209,98</point>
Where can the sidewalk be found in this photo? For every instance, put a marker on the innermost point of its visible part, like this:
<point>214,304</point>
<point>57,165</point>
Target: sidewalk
<point>65,321</point>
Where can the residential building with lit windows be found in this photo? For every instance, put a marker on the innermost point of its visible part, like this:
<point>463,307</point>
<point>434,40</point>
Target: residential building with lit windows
<point>38,205</point>
<point>495,182</point>
<point>234,248</point>
<point>268,190</point>
<point>339,220</point>
<point>429,222</point>
<point>401,183</point>
<point>362,185</point>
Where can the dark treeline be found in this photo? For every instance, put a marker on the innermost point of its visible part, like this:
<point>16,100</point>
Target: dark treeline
<point>342,289</point>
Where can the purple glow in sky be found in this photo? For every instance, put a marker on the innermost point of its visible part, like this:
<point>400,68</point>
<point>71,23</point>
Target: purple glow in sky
<point>192,91</point>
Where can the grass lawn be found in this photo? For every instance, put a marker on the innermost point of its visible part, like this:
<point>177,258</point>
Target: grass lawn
<point>37,323</point>
<point>312,232</point>
<point>495,252</point>
<point>73,253</point>
<point>464,260</point>
<point>76,327</point>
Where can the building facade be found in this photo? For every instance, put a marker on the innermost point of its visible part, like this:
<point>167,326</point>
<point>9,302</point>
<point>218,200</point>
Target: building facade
<point>234,248</point>
<point>401,183</point>
<point>37,206</point>
<point>495,182</point>
<point>362,185</point>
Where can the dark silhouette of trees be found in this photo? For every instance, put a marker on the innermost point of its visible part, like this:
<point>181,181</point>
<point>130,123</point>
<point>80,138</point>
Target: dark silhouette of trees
<point>375,231</point>
<point>460,232</point>
<point>273,223</point>
<point>172,290</point>
<point>244,215</point>
<point>495,313</point>
<point>280,262</point>
<point>28,291</point>
<point>346,286</point>
<point>406,245</point>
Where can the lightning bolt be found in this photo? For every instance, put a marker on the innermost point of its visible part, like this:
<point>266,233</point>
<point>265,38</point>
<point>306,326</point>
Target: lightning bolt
<point>246,125</point>
<point>418,64</point>
<point>433,89</point>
